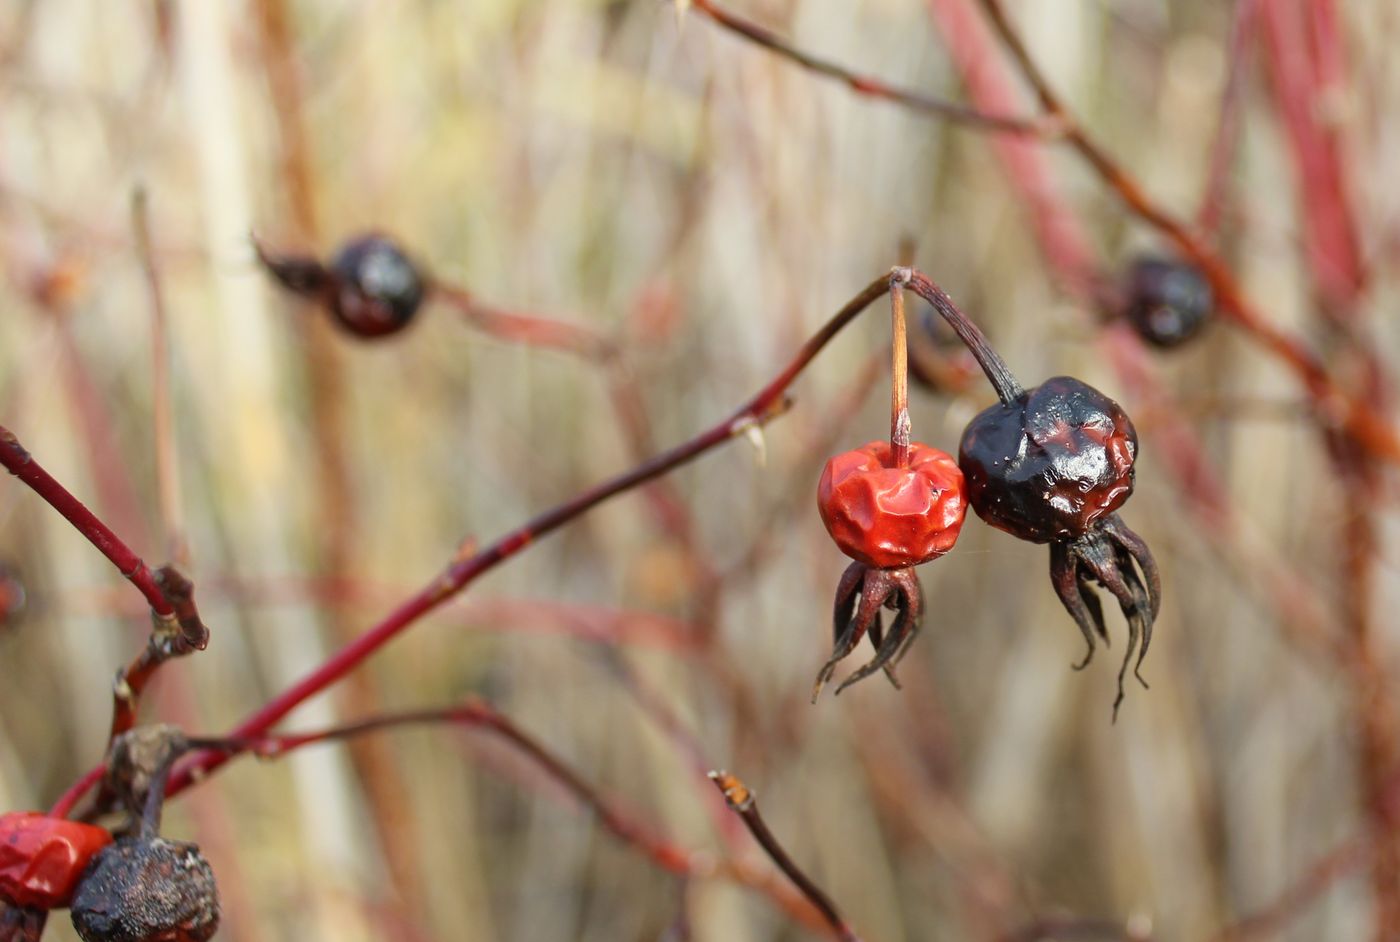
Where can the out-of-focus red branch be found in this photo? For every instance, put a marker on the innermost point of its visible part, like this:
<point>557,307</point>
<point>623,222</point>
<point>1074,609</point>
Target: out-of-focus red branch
<point>1268,922</point>
<point>1227,132</point>
<point>872,87</point>
<point>1302,54</point>
<point>1337,408</point>
<point>530,330</point>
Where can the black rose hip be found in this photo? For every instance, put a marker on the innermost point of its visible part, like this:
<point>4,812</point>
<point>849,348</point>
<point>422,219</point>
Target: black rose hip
<point>1166,302</point>
<point>376,289</point>
<point>1051,465</point>
<point>147,889</point>
<point>371,288</point>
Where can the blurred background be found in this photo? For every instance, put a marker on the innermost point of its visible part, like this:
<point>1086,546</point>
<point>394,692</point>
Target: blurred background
<point>641,171</point>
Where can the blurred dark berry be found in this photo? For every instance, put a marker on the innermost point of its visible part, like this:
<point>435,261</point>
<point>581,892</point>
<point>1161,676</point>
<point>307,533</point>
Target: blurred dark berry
<point>376,289</point>
<point>147,890</point>
<point>1050,464</point>
<point>1167,302</point>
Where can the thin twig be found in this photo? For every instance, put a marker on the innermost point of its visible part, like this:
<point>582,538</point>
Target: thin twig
<point>741,799</point>
<point>530,330</point>
<point>477,713</point>
<point>182,633</point>
<point>899,380</point>
<point>872,87</point>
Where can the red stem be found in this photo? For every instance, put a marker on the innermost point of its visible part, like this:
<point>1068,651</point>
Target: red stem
<point>872,87</point>
<point>23,466</point>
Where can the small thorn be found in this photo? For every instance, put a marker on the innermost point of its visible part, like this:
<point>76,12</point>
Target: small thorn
<point>754,433</point>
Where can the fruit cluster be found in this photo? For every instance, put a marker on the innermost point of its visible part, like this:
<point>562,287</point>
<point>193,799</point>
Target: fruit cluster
<point>1051,464</point>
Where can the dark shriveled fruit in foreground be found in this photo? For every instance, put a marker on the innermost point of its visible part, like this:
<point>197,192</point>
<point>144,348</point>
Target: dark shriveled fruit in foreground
<point>1051,465</point>
<point>147,889</point>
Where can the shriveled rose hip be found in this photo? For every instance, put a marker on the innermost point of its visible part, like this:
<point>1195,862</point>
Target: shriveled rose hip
<point>889,517</point>
<point>1049,465</point>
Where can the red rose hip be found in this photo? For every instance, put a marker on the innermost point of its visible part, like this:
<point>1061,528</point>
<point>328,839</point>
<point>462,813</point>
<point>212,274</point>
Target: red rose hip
<point>889,517</point>
<point>42,858</point>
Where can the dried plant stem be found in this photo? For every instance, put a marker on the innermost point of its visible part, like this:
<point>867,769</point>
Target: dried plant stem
<point>998,373</point>
<point>873,87</point>
<point>899,375</point>
<point>742,800</point>
<point>22,465</point>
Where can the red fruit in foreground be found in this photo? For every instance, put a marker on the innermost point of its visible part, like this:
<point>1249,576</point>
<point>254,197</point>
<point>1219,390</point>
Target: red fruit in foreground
<point>888,517</point>
<point>42,858</point>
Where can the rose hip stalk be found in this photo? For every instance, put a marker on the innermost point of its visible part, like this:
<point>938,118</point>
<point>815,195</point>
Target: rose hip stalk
<point>890,507</point>
<point>1051,465</point>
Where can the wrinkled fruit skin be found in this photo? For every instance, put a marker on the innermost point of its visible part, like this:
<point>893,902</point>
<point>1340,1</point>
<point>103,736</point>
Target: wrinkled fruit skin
<point>887,517</point>
<point>1168,301</point>
<point>1051,464</point>
<point>43,858</point>
<point>147,890</point>
<point>377,290</point>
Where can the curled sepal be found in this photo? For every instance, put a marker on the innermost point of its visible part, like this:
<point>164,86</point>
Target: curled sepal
<point>1115,558</point>
<point>860,595</point>
<point>22,924</point>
